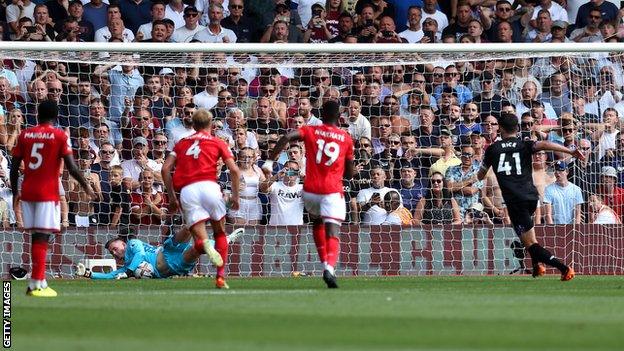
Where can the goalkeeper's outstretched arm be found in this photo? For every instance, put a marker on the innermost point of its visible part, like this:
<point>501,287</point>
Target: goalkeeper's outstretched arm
<point>82,271</point>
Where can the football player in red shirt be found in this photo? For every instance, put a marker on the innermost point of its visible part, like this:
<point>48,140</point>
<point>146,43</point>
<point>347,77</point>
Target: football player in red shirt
<point>195,178</point>
<point>43,148</point>
<point>329,159</point>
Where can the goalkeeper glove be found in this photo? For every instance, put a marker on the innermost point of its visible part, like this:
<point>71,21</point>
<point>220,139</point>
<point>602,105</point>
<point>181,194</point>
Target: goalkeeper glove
<point>121,276</point>
<point>82,271</point>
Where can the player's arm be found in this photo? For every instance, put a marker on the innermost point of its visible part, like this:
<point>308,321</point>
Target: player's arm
<point>281,144</point>
<point>166,171</point>
<point>76,174</point>
<point>550,146</point>
<point>348,169</point>
<point>82,271</point>
<point>14,174</point>
<point>235,175</point>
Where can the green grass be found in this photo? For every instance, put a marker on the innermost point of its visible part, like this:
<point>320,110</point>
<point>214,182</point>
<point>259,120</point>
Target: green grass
<point>398,313</point>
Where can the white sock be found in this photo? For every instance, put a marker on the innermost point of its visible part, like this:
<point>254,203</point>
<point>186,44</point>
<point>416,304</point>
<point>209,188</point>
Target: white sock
<point>330,269</point>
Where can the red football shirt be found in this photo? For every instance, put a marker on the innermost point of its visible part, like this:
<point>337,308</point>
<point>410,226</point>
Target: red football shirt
<point>327,147</point>
<point>196,159</point>
<point>42,148</point>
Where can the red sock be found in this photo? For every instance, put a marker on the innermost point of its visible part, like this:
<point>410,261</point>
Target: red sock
<point>199,246</point>
<point>333,250</point>
<point>38,251</point>
<point>221,246</point>
<point>319,239</point>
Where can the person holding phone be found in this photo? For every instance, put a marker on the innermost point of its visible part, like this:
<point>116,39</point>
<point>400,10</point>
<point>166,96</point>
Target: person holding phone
<point>414,33</point>
<point>317,30</point>
<point>387,32</point>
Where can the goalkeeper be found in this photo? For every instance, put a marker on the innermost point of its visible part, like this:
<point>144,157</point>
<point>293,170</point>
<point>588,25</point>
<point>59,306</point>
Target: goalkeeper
<point>176,256</point>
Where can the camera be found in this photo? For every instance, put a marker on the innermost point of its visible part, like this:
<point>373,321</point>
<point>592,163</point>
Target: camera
<point>31,29</point>
<point>386,33</point>
<point>368,23</point>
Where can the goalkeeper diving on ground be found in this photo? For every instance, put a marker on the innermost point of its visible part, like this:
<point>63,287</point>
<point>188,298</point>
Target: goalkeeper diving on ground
<point>176,256</point>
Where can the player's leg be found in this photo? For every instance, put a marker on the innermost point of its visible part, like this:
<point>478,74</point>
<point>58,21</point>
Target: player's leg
<point>312,204</point>
<point>41,218</point>
<point>523,224</point>
<point>333,211</point>
<point>191,255</point>
<point>221,246</point>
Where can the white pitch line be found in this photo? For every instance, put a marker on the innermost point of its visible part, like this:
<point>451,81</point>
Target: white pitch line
<point>194,292</point>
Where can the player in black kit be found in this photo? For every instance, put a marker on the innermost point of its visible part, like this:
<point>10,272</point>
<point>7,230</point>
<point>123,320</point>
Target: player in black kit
<point>512,160</point>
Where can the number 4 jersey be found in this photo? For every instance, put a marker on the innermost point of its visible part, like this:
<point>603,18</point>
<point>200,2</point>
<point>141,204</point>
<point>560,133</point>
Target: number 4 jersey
<point>327,147</point>
<point>196,159</point>
<point>512,160</point>
<point>42,149</point>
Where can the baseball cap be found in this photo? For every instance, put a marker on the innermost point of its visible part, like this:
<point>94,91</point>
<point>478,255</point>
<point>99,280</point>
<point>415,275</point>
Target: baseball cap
<point>190,9</point>
<point>166,71</point>
<point>445,131</point>
<point>139,140</point>
<point>474,132</point>
<point>449,90</point>
<point>318,4</point>
<point>561,166</point>
<point>559,24</point>
<point>608,171</point>
<point>477,206</point>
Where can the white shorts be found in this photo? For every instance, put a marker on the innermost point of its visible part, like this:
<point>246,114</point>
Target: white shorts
<point>202,201</point>
<point>42,216</point>
<point>330,207</point>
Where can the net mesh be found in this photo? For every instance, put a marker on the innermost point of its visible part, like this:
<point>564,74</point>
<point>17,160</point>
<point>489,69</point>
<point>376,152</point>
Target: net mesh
<point>394,105</point>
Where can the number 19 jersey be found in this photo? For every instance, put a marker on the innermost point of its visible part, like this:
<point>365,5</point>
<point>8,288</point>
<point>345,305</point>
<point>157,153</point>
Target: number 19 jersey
<point>512,160</point>
<point>327,147</point>
<point>196,159</point>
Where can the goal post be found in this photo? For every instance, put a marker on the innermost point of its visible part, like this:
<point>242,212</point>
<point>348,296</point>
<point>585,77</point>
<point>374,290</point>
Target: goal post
<point>564,91</point>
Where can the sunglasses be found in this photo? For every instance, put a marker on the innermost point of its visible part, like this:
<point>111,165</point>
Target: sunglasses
<point>467,155</point>
<point>420,81</point>
<point>212,79</point>
<point>395,142</point>
<point>188,113</point>
<point>268,91</point>
<point>385,125</point>
<point>450,74</point>
<point>436,181</point>
<point>160,142</point>
<point>191,15</point>
<point>224,98</point>
<point>587,148</point>
<point>527,124</point>
<point>489,123</point>
<point>365,145</point>
<point>107,152</point>
<point>567,130</point>
<point>236,6</point>
<point>53,90</point>
<point>505,9</point>
<point>438,75</point>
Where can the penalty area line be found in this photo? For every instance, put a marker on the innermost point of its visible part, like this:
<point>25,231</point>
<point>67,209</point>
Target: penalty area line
<point>192,292</point>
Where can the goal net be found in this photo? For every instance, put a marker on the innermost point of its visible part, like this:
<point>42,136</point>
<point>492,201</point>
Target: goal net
<point>421,117</point>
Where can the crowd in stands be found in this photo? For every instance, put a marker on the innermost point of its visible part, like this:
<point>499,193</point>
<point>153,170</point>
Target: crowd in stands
<point>420,130</point>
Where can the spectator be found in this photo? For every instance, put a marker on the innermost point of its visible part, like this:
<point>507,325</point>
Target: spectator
<point>96,12</point>
<point>562,199</point>
<point>370,200</point>
<point>600,213</point>
<point>542,32</point>
<point>208,98</point>
<point>452,85</point>
<point>335,9</point>
<point>591,32</point>
<point>462,21</point>
<point>119,199</point>
<point>427,134</point>
<point>409,182</point>
<point>157,13</point>
<point>42,24</point>
<point>284,190</point>
<point>174,11</point>
<point>397,213</point>
<point>214,32</point>
<point>556,11</point>
<point>504,13</point>
<point>81,206</point>
<point>250,211</point>
<point>86,29</point>
<point>488,100</point>
<point>530,99</point>
<point>366,28</point>
<point>387,32</point>
<point>414,33</point>
<point>608,12</point>
<point>345,28</point>
<point>264,124</point>
<point>317,30</point>
<point>430,10</point>
<point>114,29</point>
<point>17,11</point>
<point>133,167</point>
<point>558,29</point>
<point>437,206</point>
<point>10,128</point>
<point>135,13</point>
<point>460,180</point>
<point>359,126</point>
<point>186,32</point>
<point>159,151</point>
<point>147,203</point>
<point>243,26</point>
<point>448,158</point>
<point>57,11</point>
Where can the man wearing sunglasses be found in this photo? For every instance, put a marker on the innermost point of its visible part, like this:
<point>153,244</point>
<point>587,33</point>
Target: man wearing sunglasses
<point>191,26</point>
<point>243,26</point>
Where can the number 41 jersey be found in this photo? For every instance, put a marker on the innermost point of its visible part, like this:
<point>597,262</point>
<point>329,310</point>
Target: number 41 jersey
<point>327,147</point>
<point>196,159</point>
<point>512,160</point>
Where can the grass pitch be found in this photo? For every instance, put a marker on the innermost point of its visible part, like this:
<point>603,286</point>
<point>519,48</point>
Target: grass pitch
<point>398,313</point>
